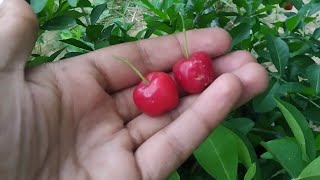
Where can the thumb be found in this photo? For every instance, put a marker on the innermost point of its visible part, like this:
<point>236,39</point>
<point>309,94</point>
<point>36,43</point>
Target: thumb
<point>18,32</point>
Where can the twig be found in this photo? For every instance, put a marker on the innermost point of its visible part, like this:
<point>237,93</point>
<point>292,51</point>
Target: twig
<point>309,100</point>
<point>299,94</point>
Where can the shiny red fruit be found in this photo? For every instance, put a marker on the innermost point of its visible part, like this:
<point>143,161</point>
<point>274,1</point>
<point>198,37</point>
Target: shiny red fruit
<point>288,6</point>
<point>158,96</point>
<point>194,74</point>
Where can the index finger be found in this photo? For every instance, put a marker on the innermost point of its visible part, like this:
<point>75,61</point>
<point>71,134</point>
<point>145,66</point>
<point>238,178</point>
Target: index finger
<point>154,54</point>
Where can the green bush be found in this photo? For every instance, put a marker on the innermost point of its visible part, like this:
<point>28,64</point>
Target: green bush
<point>274,136</point>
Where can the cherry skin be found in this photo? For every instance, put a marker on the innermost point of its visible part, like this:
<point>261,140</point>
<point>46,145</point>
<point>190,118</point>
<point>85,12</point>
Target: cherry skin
<point>194,74</point>
<point>288,6</point>
<point>158,96</point>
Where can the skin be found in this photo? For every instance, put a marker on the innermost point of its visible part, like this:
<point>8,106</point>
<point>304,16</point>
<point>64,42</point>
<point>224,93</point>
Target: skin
<point>73,119</point>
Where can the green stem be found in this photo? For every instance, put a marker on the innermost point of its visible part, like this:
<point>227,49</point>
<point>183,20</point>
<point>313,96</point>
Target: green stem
<point>309,100</point>
<point>302,96</point>
<point>126,61</point>
<point>186,49</point>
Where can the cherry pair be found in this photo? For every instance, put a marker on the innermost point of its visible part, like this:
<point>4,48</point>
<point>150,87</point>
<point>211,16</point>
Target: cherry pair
<point>158,92</point>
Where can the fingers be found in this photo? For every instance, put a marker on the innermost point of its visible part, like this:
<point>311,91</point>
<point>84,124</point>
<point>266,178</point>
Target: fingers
<point>156,54</point>
<point>143,127</point>
<point>168,148</point>
<point>17,34</point>
<point>254,79</point>
<point>223,64</point>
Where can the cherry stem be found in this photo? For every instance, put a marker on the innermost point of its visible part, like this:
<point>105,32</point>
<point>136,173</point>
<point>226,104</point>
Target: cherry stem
<point>186,49</point>
<point>126,61</point>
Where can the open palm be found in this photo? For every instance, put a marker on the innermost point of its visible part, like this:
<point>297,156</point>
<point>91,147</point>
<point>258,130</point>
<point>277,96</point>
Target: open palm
<point>75,119</point>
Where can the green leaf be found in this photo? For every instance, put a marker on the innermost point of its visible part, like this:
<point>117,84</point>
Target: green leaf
<point>265,102</point>
<point>240,33</point>
<point>63,6</point>
<point>160,13</point>
<point>295,87</point>
<point>294,21</point>
<point>206,20</point>
<point>298,65</point>
<point>59,23</point>
<point>297,3</point>
<point>73,3</point>
<point>318,142</point>
<point>49,8</point>
<point>313,114</point>
<point>266,155</point>
<point>244,125</point>
<point>37,61</point>
<point>245,4</point>
<point>122,30</point>
<point>301,102</point>
<point>150,30</point>
<point>94,31</point>
<point>316,33</point>
<point>174,176</point>
<point>160,27</point>
<point>266,8</point>
<point>300,128</point>
<point>77,43</point>
<point>97,12</point>
<point>38,5</point>
<point>279,52</point>
<point>101,44</point>
<point>272,2</point>
<point>311,172</point>
<point>79,22</point>
<point>251,172</point>
<point>56,54</point>
<point>246,152</point>
<point>286,152</point>
<point>169,3</point>
<point>74,14</point>
<point>313,73</point>
<point>298,48</point>
<point>84,3</point>
<point>106,33</point>
<point>72,54</point>
<point>309,19</point>
<point>218,154</point>
<point>315,7</point>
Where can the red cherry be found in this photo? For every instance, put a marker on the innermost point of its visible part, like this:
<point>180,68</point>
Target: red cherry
<point>158,96</point>
<point>194,74</point>
<point>288,6</point>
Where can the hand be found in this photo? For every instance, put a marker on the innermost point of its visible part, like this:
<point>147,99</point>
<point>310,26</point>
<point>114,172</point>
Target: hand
<point>75,119</point>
